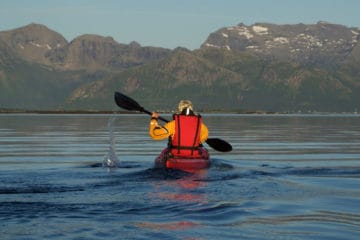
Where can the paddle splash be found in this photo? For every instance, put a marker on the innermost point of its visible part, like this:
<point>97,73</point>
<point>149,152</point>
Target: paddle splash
<point>111,160</point>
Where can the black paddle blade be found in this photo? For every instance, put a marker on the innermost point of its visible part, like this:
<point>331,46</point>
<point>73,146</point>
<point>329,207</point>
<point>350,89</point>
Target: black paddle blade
<point>127,103</point>
<point>130,104</point>
<point>219,144</point>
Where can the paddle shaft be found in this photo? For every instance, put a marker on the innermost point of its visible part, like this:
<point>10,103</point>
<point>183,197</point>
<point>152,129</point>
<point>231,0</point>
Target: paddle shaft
<point>150,113</point>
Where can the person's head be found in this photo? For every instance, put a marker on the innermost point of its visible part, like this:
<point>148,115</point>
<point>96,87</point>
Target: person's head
<point>185,106</point>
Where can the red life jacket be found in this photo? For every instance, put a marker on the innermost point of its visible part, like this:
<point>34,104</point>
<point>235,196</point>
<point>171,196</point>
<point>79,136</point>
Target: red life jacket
<point>186,139</point>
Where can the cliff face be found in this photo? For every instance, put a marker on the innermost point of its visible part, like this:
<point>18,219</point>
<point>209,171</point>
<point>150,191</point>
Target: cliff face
<point>91,52</point>
<point>36,43</point>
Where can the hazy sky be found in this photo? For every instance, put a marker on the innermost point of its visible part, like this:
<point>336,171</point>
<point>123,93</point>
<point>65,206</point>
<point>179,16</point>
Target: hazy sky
<point>169,23</point>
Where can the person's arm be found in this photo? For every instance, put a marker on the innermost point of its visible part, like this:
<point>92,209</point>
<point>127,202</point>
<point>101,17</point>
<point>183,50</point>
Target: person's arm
<point>158,132</point>
<point>204,133</point>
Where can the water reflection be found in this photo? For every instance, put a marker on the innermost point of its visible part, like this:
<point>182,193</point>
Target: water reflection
<point>178,226</point>
<point>185,189</point>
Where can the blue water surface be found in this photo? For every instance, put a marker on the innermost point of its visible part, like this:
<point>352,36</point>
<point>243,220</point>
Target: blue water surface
<point>288,177</point>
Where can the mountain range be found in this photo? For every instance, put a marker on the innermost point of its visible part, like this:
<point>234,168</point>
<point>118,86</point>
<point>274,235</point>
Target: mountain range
<point>268,67</point>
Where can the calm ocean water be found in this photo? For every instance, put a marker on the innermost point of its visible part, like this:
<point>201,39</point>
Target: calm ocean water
<point>288,177</point>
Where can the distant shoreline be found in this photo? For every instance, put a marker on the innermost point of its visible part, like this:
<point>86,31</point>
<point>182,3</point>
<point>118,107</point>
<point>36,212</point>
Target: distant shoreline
<point>60,111</point>
<point>250,112</point>
<point>123,111</point>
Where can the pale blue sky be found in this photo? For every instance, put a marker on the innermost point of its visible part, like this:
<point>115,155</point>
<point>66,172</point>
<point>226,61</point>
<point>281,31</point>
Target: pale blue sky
<point>169,23</point>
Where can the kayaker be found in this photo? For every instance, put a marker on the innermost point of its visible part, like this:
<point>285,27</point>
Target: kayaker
<point>186,132</point>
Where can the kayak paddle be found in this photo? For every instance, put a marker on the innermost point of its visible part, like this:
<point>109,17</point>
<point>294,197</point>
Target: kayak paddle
<point>130,104</point>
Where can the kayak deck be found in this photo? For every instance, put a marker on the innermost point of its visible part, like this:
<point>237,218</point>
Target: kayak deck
<point>183,163</point>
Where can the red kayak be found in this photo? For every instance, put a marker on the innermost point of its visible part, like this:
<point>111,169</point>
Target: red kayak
<point>165,160</point>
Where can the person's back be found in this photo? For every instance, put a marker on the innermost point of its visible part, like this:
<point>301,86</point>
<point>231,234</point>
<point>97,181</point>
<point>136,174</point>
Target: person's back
<point>186,132</point>
<point>186,139</point>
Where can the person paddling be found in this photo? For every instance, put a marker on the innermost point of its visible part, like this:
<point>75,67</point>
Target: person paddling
<point>186,132</point>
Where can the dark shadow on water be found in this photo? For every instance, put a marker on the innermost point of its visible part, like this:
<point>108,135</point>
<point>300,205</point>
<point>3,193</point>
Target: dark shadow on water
<point>336,171</point>
<point>221,170</point>
<point>40,189</point>
<point>123,165</point>
<point>220,165</point>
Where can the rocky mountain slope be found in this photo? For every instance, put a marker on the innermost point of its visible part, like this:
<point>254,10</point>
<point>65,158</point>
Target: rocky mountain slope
<point>31,42</point>
<point>262,66</point>
<point>323,44</point>
<point>37,43</point>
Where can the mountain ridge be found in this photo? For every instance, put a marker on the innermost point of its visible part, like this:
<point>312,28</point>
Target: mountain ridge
<point>320,44</point>
<point>238,67</point>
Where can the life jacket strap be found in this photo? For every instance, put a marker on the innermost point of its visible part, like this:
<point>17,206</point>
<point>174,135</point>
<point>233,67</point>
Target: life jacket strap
<point>184,147</point>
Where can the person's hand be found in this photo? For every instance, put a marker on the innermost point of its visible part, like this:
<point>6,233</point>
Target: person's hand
<point>155,115</point>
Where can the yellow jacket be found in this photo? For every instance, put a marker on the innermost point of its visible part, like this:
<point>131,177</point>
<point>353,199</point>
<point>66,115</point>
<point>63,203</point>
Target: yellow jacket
<point>158,132</point>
